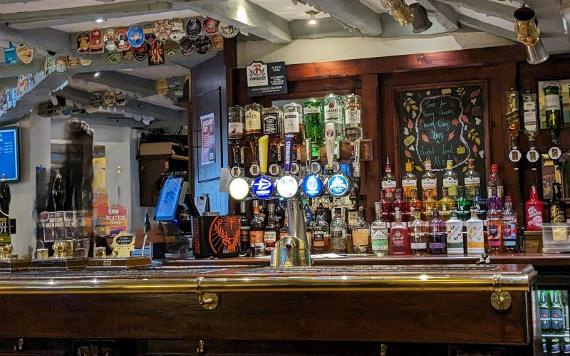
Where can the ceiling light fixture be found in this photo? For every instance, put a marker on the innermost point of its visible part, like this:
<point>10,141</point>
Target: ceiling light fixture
<point>96,74</point>
<point>399,10</point>
<point>100,19</point>
<point>312,14</point>
<point>526,29</point>
<point>420,18</point>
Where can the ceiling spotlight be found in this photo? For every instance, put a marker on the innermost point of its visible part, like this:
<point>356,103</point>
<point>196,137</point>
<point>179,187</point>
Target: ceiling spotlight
<point>312,14</point>
<point>420,18</point>
<point>100,19</point>
<point>526,29</point>
<point>96,74</point>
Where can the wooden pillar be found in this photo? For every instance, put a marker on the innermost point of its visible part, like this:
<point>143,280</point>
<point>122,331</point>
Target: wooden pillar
<point>371,170</point>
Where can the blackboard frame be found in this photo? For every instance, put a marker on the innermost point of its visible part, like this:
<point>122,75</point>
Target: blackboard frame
<point>399,159</point>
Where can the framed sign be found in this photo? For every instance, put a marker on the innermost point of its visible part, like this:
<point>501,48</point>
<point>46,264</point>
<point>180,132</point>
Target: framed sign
<point>208,133</point>
<point>444,122</point>
<point>266,79</point>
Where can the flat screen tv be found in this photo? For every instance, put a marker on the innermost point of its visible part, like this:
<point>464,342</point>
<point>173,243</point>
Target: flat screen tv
<point>10,154</point>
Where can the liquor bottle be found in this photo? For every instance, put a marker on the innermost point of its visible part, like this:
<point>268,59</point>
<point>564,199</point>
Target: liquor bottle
<point>387,209</point>
<point>472,179</point>
<point>253,126</point>
<point>244,246</point>
<point>454,231</point>
<point>338,233</point>
<point>556,312</point>
<point>419,235</point>
<point>321,242</point>
<point>352,117</point>
<point>256,231</point>
<point>553,108</point>
<point>409,180</point>
<point>284,231</point>
<point>445,205</point>
<point>475,234</point>
<point>555,347</point>
<point>361,234</point>
<point>399,238</point>
<point>379,230</point>
<point>480,203</point>
<point>333,108</point>
<point>292,121</point>
<point>544,310</point>
<point>271,232</point>
<point>463,205</point>
<point>429,206</point>
<point>388,180</point>
<point>314,125</point>
<point>235,124</point>
<point>495,182</point>
<point>272,121</point>
<point>429,180</point>
<point>415,203</point>
<point>437,235</point>
<point>557,206</point>
<point>449,180</point>
<point>509,226</point>
<point>534,211</point>
<point>401,205</point>
<point>494,224</point>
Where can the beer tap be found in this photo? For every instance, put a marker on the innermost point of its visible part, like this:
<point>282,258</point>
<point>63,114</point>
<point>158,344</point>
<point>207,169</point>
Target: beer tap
<point>239,186</point>
<point>312,184</point>
<point>530,127</point>
<point>288,185</point>
<point>263,187</point>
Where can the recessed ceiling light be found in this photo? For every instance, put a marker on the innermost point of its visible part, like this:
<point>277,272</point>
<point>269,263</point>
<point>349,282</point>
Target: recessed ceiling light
<point>96,74</point>
<point>100,19</point>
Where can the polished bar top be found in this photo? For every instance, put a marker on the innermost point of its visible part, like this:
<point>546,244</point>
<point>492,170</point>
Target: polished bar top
<point>248,279</point>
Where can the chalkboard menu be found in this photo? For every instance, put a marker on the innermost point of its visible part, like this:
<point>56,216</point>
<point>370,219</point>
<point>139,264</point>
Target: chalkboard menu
<point>445,123</point>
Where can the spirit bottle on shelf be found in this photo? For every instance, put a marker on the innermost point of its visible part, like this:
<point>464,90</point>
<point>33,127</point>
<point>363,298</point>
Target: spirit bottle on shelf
<point>235,130</point>
<point>387,208</point>
<point>321,235</point>
<point>534,211</point>
<point>244,246</point>
<point>429,205</point>
<point>557,206</point>
<point>388,180</point>
<point>494,224</point>
<point>361,234</point>
<point>437,235</point>
<point>401,205</point>
<point>419,235</point>
<point>333,110</point>
<point>553,108</point>
<point>449,180</point>
<point>272,122</point>
<point>480,203</point>
<point>338,233</point>
<point>256,231</point>
<point>509,226</point>
<point>463,205</point>
<point>253,131</point>
<point>495,182</point>
<point>353,117</point>
<point>409,181</point>
<point>472,179</point>
<point>284,231</point>
<point>475,234</point>
<point>544,310</point>
<point>314,125</point>
<point>454,231</point>
<point>415,203</point>
<point>399,238</point>
<point>429,180</point>
<point>445,205</point>
<point>293,121</point>
<point>557,312</point>
<point>271,232</point>
<point>379,230</point>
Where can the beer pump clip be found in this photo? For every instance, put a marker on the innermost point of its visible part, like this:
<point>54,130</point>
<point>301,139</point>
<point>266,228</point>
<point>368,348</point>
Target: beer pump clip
<point>287,185</point>
<point>339,184</point>
<point>513,124</point>
<point>312,185</point>
<point>263,186</point>
<point>530,127</point>
<point>239,186</point>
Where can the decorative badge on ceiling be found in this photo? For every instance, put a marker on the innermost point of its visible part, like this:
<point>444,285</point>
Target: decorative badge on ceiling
<point>194,27</point>
<point>83,42</point>
<point>96,41</point>
<point>203,44</point>
<point>122,39</point>
<point>25,53</point>
<point>210,25</point>
<point>228,31</point>
<point>136,36</point>
<point>110,44</point>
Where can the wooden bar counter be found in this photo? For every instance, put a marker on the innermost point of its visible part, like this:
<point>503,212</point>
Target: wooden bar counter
<point>162,308</point>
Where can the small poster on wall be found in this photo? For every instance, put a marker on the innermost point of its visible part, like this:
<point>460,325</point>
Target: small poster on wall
<point>266,79</point>
<point>207,124</point>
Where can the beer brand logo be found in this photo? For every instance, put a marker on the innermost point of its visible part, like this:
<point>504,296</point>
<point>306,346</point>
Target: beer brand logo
<point>262,187</point>
<point>337,185</point>
<point>312,186</point>
<point>257,74</point>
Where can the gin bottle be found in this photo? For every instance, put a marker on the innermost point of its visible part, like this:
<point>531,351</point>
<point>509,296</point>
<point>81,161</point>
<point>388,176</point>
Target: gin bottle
<point>293,121</point>
<point>361,234</point>
<point>454,230</point>
<point>509,226</point>
<point>320,235</point>
<point>449,180</point>
<point>333,109</point>
<point>437,235</point>
<point>494,225</point>
<point>409,181</point>
<point>388,180</point>
<point>475,234</point>
<point>399,239</point>
<point>338,233</point>
<point>419,235</point>
<point>314,125</point>
<point>429,180</point>
<point>379,232</point>
<point>352,117</point>
<point>472,179</point>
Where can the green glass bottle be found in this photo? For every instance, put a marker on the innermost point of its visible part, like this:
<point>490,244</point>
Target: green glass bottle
<point>314,124</point>
<point>463,205</point>
<point>553,107</point>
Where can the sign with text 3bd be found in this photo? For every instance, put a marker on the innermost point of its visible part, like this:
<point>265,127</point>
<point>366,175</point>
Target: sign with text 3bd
<point>266,78</point>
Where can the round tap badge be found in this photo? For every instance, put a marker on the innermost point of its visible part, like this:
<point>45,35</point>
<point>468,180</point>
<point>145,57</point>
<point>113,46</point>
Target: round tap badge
<point>141,52</point>
<point>262,187</point>
<point>218,41</point>
<point>239,188</point>
<point>83,42</point>
<point>287,186</point>
<point>136,36</point>
<point>210,25</point>
<point>122,39</point>
<point>228,31</point>
<point>203,44</point>
<point>110,44</point>
<point>312,186</point>
<point>187,46</point>
<point>194,27</point>
<point>338,185</point>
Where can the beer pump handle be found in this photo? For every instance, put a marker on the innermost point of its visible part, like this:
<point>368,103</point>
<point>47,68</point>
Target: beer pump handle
<point>288,153</point>
<point>330,141</point>
<point>263,153</point>
<point>308,157</point>
<point>356,163</point>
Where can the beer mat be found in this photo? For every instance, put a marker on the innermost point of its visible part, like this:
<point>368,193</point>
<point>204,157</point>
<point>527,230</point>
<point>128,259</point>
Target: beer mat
<point>119,263</point>
<point>15,264</point>
<point>59,263</point>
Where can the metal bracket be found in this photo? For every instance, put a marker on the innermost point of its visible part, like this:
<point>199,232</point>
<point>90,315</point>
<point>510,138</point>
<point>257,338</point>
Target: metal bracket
<point>208,301</point>
<point>500,300</point>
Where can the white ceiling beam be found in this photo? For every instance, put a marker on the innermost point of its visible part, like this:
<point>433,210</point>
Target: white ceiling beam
<point>442,13</point>
<point>142,87</point>
<point>47,39</point>
<point>351,13</point>
<point>47,18</point>
<point>486,7</point>
<point>486,27</point>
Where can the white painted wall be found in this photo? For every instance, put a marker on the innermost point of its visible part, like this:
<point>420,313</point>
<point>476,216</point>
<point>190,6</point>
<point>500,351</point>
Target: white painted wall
<point>341,48</point>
